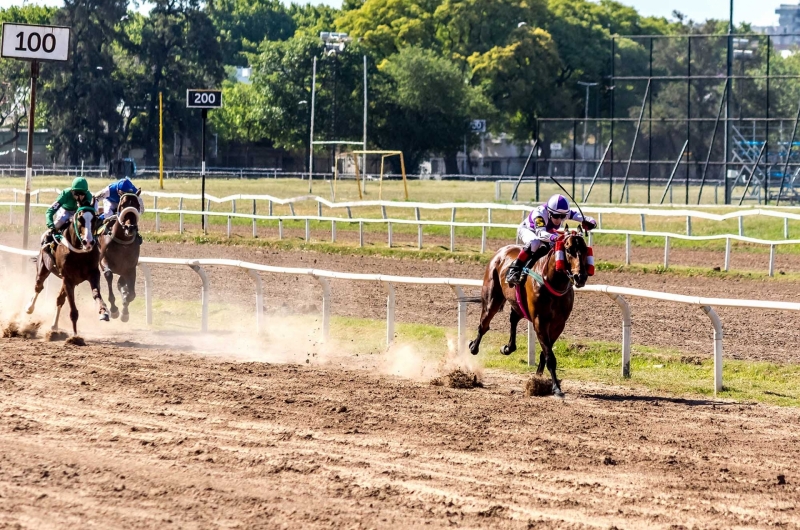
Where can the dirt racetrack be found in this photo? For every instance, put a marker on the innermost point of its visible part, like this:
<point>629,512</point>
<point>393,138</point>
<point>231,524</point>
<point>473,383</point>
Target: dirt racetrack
<point>116,436</point>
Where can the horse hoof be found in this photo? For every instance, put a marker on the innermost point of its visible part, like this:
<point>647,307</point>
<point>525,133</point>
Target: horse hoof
<point>104,317</point>
<point>472,348</point>
<point>506,350</point>
<point>125,317</point>
<point>558,393</point>
<point>114,313</point>
<point>29,310</point>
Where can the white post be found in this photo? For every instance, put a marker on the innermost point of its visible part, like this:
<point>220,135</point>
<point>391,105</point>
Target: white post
<point>361,234</point>
<point>389,313</point>
<point>627,249</point>
<point>229,227</point>
<point>462,319</point>
<point>364,142</point>
<point>496,190</point>
<point>203,296</point>
<point>741,226</point>
<point>600,220</point>
<point>644,229</point>
<point>280,229</point>
<point>727,264</point>
<point>666,252</point>
<point>419,237</point>
<point>771,261</point>
<point>180,216</point>
<point>483,239</point>
<point>148,294</point>
<point>389,233</point>
<point>308,231</point>
<point>626,333</point>
<point>269,208</point>
<point>158,216</point>
<point>785,228</point>
<point>531,344</point>
<point>715,321</point>
<point>452,238</point>
<point>688,225</point>
<point>311,140</point>
<point>326,308</point>
<point>333,231</point>
<point>255,230</point>
<point>259,298</point>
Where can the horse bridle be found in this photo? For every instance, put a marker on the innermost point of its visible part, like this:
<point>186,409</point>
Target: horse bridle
<point>76,228</point>
<point>569,272</point>
<point>125,211</point>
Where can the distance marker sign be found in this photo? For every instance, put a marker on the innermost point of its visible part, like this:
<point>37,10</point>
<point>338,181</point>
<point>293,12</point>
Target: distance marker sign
<point>203,99</point>
<point>36,43</point>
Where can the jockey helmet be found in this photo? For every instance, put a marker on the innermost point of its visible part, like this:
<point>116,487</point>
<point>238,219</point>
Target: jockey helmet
<point>558,204</point>
<point>80,185</point>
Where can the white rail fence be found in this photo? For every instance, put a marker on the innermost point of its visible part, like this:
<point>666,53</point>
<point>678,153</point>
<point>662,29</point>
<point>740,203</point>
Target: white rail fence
<point>452,224</point>
<point>617,294</point>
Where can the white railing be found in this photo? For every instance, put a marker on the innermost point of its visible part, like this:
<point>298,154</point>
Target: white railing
<point>617,294</point>
<point>389,222</point>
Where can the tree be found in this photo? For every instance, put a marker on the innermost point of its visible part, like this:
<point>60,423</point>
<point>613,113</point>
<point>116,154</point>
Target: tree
<point>244,24</point>
<point>172,49</point>
<point>311,19</point>
<point>15,74</point>
<point>424,105</point>
<point>83,94</point>
<point>243,117</point>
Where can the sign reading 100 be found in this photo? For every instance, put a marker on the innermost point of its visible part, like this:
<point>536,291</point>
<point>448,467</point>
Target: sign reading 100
<point>41,43</point>
<point>203,99</point>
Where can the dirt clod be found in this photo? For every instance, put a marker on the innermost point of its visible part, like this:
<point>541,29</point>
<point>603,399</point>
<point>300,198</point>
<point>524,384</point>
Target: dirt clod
<point>11,330</point>
<point>54,336</point>
<point>781,480</point>
<point>458,378</point>
<point>538,386</point>
<point>75,340</point>
<point>608,461</point>
<point>28,331</point>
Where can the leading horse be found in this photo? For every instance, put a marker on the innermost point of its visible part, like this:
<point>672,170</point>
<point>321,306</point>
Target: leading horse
<point>546,297</point>
<point>119,252</point>
<point>75,260</point>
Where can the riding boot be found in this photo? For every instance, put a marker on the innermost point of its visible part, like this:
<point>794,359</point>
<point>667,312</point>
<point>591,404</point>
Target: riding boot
<point>514,274</point>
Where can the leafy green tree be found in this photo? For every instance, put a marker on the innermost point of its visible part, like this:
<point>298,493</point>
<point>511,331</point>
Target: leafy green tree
<point>311,19</point>
<point>15,74</point>
<point>172,49</point>
<point>243,24</point>
<point>83,94</point>
<point>243,118</point>
<point>424,105</point>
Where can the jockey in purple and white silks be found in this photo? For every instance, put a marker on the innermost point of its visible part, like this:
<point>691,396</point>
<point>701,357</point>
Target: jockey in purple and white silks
<point>540,230</point>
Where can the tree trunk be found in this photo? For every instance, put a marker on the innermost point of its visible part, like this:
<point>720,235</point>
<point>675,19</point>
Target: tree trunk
<point>451,163</point>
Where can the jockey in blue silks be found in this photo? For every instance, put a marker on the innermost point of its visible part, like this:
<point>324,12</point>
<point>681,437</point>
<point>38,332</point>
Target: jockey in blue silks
<point>112,193</point>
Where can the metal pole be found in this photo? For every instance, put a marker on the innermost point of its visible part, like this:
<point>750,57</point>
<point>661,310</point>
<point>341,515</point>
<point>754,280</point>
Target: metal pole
<point>633,145</point>
<point>711,146</point>
<point>29,154</point>
<point>650,126</point>
<point>766,134</point>
<point>753,172</point>
<point>574,151</point>
<point>364,164</point>
<point>597,171</point>
<point>311,140</point>
<point>160,141</point>
<point>688,111</point>
<point>203,172</point>
<point>672,175</point>
<point>613,98</point>
<point>728,72</point>
<point>519,180</point>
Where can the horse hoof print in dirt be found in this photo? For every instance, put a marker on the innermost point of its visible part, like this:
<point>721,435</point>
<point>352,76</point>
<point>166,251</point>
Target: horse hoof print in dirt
<point>545,297</point>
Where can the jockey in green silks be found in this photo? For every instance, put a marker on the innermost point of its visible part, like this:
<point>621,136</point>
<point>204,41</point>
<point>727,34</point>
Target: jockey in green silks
<point>61,212</point>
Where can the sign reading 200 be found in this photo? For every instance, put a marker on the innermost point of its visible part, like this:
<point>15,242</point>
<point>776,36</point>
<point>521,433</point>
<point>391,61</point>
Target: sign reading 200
<point>41,43</point>
<point>203,99</point>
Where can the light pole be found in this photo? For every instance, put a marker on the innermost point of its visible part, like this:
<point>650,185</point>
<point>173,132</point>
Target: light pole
<point>585,115</point>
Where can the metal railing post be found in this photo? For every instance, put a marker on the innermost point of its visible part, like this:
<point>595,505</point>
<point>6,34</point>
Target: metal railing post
<point>688,225</point>
<point>308,230</point>
<point>390,299</point>
<point>666,252</point>
<point>259,298</point>
<point>626,333</point>
<point>483,239</point>
<point>462,318</point>
<point>180,215</point>
<point>771,261</point>
<point>389,234</point>
<point>203,296</point>
<point>280,229</point>
<point>148,293</point>
<point>727,264</point>
<point>627,249</point>
<point>715,321</point>
<point>158,215</point>
<point>326,307</point>
<point>333,231</point>
<point>361,234</point>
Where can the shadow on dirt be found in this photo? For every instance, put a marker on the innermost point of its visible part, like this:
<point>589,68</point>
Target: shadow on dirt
<point>656,400</point>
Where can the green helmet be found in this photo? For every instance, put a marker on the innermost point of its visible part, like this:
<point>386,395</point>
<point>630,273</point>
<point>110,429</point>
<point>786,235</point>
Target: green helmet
<point>80,184</point>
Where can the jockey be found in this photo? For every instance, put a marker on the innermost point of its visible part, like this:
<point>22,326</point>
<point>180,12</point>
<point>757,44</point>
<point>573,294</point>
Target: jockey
<point>112,193</point>
<point>62,211</point>
<point>539,230</point>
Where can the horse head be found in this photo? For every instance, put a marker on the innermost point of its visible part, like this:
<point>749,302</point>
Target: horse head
<point>128,216</point>
<point>576,253</point>
<point>84,224</point>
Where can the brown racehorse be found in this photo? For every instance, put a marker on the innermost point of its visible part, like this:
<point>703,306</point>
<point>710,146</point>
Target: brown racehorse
<point>74,260</point>
<point>548,305</point>
<point>119,251</point>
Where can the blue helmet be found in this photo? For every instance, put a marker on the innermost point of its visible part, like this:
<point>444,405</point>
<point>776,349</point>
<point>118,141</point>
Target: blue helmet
<point>558,204</point>
<point>126,186</point>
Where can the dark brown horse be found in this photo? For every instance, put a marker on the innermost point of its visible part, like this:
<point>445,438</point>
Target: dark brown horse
<point>74,260</point>
<point>119,251</point>
<point>547,300</point>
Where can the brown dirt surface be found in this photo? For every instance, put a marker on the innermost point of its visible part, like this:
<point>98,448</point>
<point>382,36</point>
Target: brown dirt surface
<point>129,437</point>
<point>538,386</point>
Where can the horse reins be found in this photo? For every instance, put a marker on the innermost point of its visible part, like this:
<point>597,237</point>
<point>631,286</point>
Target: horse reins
<point>76,228</point>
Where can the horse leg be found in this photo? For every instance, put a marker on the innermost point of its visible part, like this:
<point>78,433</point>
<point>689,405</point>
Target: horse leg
<point>125,285</point>
<point>488,311</point>
<point>42,272</point>
<point>511,347</point>
<point>547,357</point>
<point>94,282</point>
<point>62,295</point>
<point>551,367</point>
<point>73,307</point>
<point>109,276</point>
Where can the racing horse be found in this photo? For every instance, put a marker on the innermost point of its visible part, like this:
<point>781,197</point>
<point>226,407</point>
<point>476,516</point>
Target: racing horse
<point>119,252</point>
<point>76,259</point>
<point>546,297</point>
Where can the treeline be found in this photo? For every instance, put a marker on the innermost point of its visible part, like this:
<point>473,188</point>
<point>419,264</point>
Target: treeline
<point>432,66</point>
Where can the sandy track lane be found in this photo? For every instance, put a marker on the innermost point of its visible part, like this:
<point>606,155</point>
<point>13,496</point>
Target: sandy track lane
<point>107,436</point>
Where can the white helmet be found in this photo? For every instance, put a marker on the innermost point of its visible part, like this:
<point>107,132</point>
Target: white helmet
<point>558,204</point>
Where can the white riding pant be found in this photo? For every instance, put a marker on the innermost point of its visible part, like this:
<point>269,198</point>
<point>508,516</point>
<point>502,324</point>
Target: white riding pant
<point>62,217</point>
<point>526,235</point>
<point>110,208</point>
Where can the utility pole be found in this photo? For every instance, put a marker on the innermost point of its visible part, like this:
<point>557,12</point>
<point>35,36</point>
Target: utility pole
<point>729,69</point>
